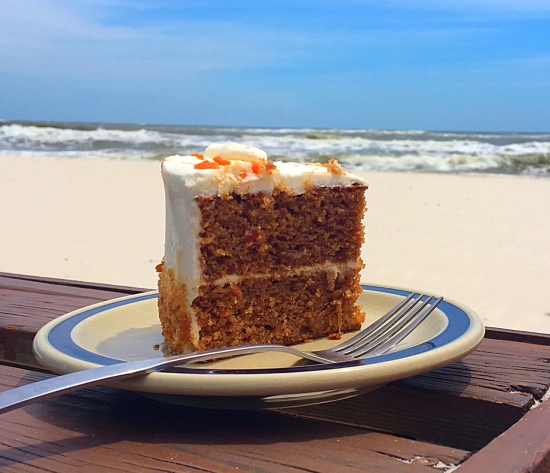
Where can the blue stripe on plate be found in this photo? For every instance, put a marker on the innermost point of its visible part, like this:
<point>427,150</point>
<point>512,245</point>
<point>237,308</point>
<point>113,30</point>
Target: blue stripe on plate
<point>60,338</point>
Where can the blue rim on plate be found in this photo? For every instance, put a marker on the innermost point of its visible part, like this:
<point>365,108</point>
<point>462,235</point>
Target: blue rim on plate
<point>459,322</point>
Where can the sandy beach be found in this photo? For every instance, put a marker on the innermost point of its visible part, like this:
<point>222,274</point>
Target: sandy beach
<point>482,240</point>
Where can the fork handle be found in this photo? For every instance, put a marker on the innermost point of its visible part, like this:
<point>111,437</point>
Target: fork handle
<point>23,395</point>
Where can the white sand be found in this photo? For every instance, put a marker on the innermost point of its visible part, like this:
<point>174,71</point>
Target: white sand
<point>481,240</point>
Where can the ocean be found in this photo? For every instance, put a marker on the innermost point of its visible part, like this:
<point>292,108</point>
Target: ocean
<point>365,150</point>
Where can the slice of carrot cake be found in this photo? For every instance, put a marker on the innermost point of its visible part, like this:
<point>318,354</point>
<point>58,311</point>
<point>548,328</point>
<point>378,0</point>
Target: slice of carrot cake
<point>258,251</point>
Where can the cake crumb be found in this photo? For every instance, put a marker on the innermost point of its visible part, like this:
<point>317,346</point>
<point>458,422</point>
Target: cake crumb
<point>331,279</point>
<point>334,167</point>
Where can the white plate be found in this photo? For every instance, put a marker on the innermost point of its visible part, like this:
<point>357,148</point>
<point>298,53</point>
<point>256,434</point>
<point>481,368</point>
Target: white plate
<point>128,329</point>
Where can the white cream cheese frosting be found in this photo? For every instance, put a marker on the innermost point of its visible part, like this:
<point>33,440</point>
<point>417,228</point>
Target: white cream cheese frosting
<point>234,151</point>
<point>245,170</point>
<point>226,168</point>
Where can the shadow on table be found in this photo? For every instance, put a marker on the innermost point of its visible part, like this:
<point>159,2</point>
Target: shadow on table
<point>93,420</point>
<point>100,417</point>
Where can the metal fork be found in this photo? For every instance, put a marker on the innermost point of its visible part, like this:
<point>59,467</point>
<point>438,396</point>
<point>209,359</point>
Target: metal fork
<point>374,340</point>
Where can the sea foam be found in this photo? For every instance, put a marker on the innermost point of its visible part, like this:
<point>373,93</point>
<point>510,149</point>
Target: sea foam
<point>382,150</point>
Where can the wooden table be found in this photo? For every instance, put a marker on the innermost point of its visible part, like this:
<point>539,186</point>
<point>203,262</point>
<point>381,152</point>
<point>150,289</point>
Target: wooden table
<point>485,413</point>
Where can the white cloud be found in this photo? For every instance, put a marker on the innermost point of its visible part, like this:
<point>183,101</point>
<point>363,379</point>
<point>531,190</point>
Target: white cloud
<point>56,38</point>
<point>90,40</point>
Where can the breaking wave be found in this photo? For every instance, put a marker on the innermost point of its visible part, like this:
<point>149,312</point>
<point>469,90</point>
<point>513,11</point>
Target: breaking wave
<point>382,150</point>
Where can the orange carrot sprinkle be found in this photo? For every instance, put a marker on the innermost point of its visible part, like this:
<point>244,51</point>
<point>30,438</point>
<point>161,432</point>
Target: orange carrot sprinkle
<point>184,326</point>
<point>206,165</point>
<point>252,237</point>
<point>197,155</point>
<point>221,161</point>
<point>243,174</point>
<point>255,167</point>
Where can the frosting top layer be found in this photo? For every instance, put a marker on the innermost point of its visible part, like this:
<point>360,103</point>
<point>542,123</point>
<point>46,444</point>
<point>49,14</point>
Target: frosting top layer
<point>226,168</point>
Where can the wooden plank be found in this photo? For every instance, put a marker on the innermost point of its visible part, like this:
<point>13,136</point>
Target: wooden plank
<point>525,447</point>
<point>65,285</point>
<point>464,405</point>
<point>68,283</point>
<point>104,429</point>
<point>482,395</point>
<point>28,302</point>
<point>97,292</point>
<point>518,336</point>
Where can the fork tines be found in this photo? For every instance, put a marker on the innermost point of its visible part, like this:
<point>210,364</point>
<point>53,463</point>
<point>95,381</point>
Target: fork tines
<point>392,328</point>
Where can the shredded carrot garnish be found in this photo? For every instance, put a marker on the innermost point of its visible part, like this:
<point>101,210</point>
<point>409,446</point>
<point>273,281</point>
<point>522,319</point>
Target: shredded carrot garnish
<point>221,161</point>
<point>206,165</point>
<point>243,174</point>
<point>184,326</point>
<point>255,167</point>
<point>197,155</point>
<point>270,166</point>
<point>252,237</point>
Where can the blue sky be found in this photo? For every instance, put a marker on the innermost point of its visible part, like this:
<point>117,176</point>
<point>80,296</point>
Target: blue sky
<point>393,64</point>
